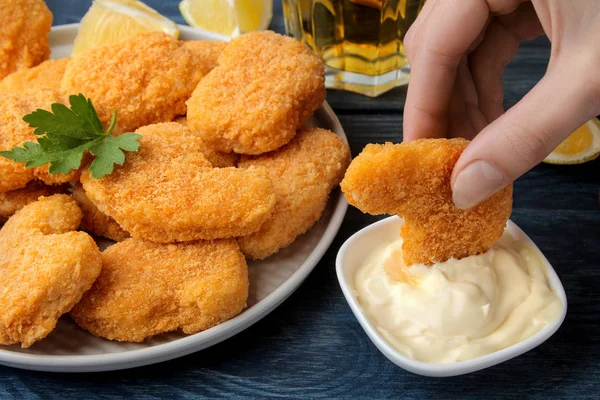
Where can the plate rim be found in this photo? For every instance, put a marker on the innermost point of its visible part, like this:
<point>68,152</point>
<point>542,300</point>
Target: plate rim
<point>189,344</point>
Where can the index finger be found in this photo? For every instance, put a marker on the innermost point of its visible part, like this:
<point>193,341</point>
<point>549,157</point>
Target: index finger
<point>435,49</point>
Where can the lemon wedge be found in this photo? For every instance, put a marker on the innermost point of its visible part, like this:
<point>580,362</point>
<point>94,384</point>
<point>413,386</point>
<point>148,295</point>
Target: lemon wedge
<point>228,17</point>
<point>110,21</point>
<point>581,146</point>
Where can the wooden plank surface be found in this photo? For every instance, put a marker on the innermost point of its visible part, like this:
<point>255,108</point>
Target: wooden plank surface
<point>313,347</point>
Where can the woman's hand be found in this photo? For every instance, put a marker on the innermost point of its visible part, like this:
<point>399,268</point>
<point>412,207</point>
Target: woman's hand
<point>458,50</point>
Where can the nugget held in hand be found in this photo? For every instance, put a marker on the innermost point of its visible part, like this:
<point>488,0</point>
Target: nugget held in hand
<point>44,268</point>
<point>263,89</point>
<point>14,131</point>
<point>96,222</point>
<point>24,27</point>
<point>13,201</point>
<point>169,192</point>
<point>304,172</point>
<point>47,75</point>
<point>149,288</point>
<point>413,180</point>
<point>147,78</point>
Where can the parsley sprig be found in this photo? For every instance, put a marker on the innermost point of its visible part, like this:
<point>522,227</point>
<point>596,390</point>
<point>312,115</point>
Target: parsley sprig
<point>65,134</point>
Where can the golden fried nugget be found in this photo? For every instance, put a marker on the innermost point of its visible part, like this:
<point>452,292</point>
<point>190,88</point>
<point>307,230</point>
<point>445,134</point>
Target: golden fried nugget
<point>94,221</point>
<point>206,53</point>
<point>47,75</point>
<point>304,172</point>
<point>147,78</point>
<point>24,27</point>
<point>149,288</point>
<point>13,201</point>
<point>413,180</point>
<point>263,89</point>
<point>44,268</point>
<point>169,192</point>
<point>14,131</point>
<point>216,158</point>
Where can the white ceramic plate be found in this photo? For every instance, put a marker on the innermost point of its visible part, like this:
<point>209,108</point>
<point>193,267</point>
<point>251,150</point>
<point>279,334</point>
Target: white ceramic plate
<point>71,349</point>
<point>355,250</point>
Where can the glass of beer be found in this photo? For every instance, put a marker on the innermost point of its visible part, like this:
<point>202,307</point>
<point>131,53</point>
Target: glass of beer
<point>360,41</point>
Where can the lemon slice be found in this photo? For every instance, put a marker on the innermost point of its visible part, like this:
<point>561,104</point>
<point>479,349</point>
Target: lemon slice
<point>228,17</point>
<point>110,21</point>
<point>581,146</point>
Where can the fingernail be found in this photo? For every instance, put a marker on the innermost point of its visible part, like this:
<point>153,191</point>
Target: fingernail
<point>478,181</point>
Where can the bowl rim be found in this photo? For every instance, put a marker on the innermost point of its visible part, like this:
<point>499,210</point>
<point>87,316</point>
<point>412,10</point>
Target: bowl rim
<point>461,367</point>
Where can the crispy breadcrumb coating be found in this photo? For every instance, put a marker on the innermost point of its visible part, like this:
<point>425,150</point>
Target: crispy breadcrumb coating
<point>13,201</point>
<point>205,53</point>
<point>413,180</point>
<point>147,78</point>
<point>216,158</point>
<point>149,288</point>
<point>44,268</point>
<point>95,222</point>
<point>14,131</point>
<point>303,172</point>
<point>47,75</point>
<point>168,191</point>
<point>263,89</point>
<point>24,27</point>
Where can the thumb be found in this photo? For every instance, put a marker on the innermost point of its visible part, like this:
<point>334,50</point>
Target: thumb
<point>522,137</point>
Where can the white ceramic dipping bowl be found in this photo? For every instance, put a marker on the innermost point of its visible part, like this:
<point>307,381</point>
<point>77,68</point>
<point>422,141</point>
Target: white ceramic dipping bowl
<point>358,247</point>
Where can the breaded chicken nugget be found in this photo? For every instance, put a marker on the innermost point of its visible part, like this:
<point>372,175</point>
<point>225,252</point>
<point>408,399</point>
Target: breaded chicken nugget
<point>168,191</point>
<point>304,172</point>
<point>206,54</point>
<point>47,75</point>
<point>44,268</point>
<point>95,222</point>
<point>264,88</point>
<point>216,158</point>
<point>149,288</point>
<point>147,78</point>
<point>14,131</point>
<point>24,27</point>
<point>413,180</point>
<point>13,201</point>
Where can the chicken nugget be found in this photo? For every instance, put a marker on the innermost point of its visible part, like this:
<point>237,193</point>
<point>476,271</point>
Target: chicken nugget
<point>149,288</point>
<point>216,158</point>
<point>263,89</point>
<point>94,221</point>
<point>13,201</point>
<point>14,131</point>
<point>47,75</point>
<point>304,172</point>
<point>44,268</point>
<point>206,53</point>
<point>413,180</point>
<point>24,27</point>
<point>168,191</point>
<point>147,78</point>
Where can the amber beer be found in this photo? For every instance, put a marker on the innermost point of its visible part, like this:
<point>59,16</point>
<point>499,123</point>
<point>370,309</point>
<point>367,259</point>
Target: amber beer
<point>359,40</point>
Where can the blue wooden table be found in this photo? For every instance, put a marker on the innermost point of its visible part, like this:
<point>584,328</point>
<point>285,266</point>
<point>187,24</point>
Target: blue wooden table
<point>313,347</point>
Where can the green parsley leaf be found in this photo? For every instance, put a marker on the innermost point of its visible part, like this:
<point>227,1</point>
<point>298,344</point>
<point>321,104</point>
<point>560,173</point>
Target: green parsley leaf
<point>65,134</point>
<point>110,151</point>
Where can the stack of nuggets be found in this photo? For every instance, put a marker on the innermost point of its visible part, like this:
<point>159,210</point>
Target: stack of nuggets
<point>201,194</point>
<point>45,268</point>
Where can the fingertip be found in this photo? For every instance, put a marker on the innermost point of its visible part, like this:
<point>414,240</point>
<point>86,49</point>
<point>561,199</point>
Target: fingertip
<point>475,183</point>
